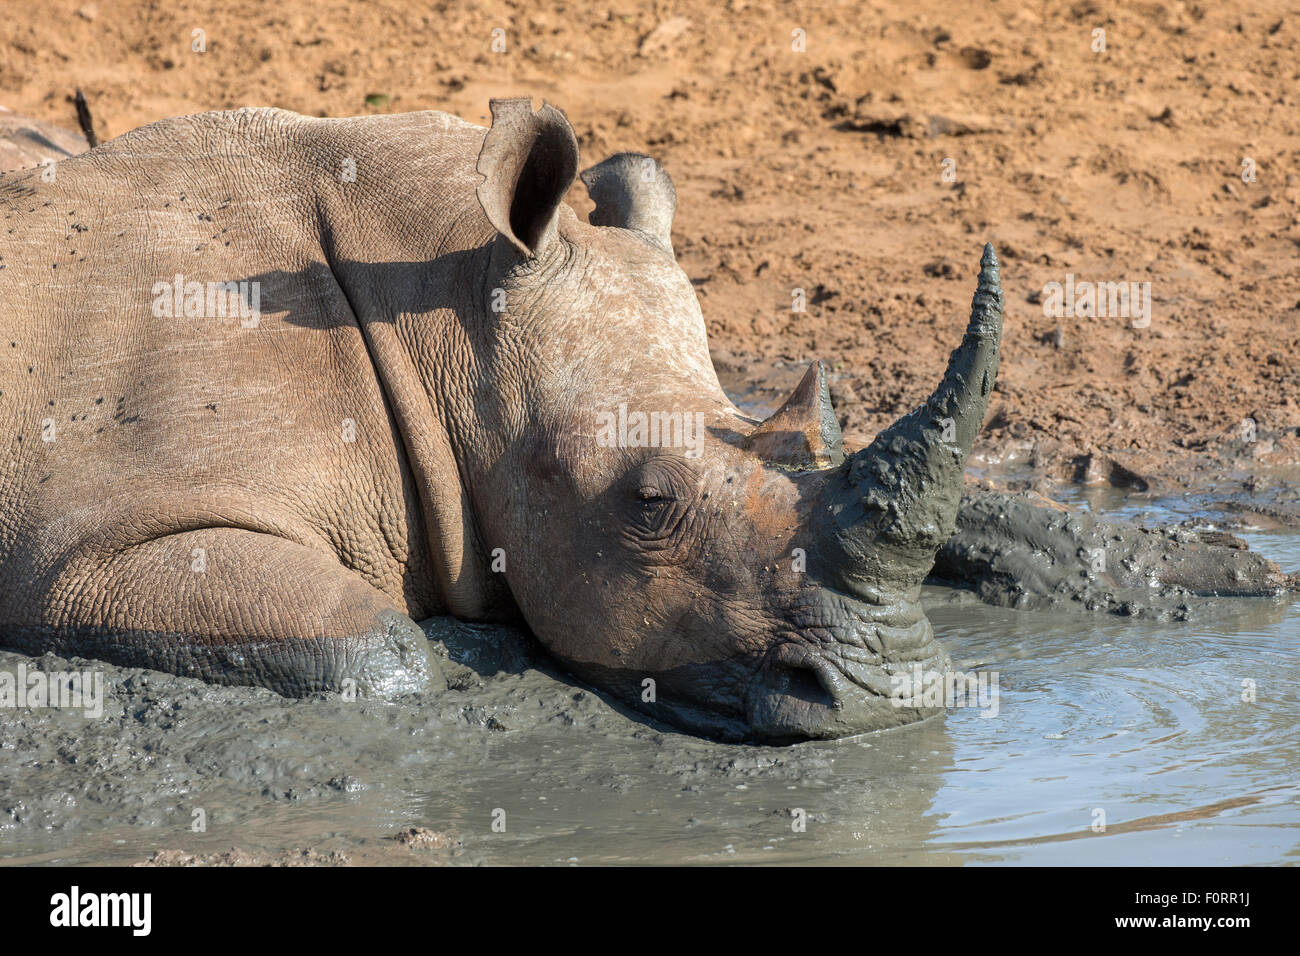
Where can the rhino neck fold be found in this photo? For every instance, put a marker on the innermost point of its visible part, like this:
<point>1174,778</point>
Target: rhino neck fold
<point>423,432</point>
<point>450,526</point>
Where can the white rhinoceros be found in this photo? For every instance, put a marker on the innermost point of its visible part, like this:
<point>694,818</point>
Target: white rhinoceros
<point>275,386</point>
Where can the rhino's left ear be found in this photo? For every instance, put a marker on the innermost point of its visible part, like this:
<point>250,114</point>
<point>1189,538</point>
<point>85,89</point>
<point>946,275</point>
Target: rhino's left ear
<point>528,162</point>
<point>632,191</point>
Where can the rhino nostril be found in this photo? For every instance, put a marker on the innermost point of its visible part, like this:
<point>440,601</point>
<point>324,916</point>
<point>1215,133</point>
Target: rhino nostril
<point>822,683</point>
<point>801,683</point>
<point>823,690</point>
<point>792,699</point>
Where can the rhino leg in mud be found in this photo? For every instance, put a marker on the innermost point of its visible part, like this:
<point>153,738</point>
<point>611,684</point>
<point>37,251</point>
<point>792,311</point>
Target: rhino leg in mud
<point>232,606</point>
<point>1027,552</point>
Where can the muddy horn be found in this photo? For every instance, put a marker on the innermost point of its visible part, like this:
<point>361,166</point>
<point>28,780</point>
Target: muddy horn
<point>891,505</point>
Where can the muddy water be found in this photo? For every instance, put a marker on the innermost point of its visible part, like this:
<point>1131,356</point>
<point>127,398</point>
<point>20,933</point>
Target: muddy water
<point>1142,721</point>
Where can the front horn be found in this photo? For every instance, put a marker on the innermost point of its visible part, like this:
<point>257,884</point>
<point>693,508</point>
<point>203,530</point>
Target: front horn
<point>894,503</point>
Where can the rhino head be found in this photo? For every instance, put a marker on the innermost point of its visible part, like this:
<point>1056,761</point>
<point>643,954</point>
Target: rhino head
<point>742,579</point>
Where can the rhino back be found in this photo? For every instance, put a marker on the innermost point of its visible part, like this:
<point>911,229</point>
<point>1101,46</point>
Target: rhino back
<point>177,352</point>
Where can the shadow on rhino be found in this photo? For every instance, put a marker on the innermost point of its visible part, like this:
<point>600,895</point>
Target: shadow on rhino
<point>452,398</point>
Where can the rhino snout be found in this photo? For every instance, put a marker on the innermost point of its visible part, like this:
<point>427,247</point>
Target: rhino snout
<point>843,680</point>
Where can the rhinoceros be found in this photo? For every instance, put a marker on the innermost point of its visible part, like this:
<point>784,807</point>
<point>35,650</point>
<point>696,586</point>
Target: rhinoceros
<point>276,387</point>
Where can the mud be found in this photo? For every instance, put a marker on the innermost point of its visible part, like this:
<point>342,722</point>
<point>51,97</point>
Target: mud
<point>1139,717</point>
<point>1024,551</point>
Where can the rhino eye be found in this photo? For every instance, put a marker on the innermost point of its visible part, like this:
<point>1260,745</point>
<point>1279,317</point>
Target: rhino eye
<point>656,512</point>
<point>649,493</point>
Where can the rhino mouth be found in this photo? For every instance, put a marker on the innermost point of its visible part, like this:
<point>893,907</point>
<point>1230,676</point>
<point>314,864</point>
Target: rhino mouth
<point>853,676</point>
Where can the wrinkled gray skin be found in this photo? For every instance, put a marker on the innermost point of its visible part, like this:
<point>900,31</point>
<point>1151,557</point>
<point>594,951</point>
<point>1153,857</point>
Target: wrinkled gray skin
<point>411,427</point>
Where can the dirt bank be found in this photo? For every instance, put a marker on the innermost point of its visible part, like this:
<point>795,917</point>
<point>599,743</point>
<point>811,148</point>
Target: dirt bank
<point>824,170</point>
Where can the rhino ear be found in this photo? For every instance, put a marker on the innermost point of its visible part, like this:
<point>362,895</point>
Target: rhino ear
<point>632,191</point>
<point>528,162</point>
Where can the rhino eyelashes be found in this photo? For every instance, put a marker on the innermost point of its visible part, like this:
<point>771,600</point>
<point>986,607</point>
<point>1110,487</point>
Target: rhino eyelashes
<point>659,518</point>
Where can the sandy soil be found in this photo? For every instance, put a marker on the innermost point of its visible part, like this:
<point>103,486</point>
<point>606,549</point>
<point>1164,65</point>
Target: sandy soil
<point>824,170</point>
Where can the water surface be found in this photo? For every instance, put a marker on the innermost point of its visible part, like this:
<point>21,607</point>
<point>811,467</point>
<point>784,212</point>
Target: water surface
<point>1116,741</point>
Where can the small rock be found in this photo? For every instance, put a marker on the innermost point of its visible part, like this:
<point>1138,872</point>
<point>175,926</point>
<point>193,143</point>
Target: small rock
<point>422,838</point>
<point>663,36</point>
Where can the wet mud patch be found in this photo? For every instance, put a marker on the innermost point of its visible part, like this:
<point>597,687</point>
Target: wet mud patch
<point>169,754</point>
<point>1026,551</point>
<point>518,764</point>
<point>327,781</point>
